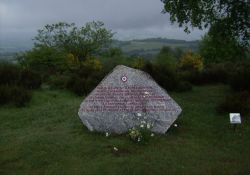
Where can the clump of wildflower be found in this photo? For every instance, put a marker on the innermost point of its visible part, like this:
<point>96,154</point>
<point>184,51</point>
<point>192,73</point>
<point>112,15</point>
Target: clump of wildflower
<point>134,134</point>
<point>106,134</point>
<point>142,133</point>
<point>115,149</point>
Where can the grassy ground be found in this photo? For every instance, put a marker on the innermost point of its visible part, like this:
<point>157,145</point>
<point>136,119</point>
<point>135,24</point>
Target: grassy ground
<point>47,137</point>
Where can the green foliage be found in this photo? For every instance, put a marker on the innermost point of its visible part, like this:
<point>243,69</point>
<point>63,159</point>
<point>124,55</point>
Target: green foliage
<point>166,57</point>
<point>215,73</point>
<point>76,84</point>
<point>30,79</point>
<point>45,60</point>
<point>240,77</point>
<point>165,76</point>
<point>142,133</point>
<point>212,74</point>
<point>15,84</point>
<point>228,18</point>
<point>139,63</point>
<point>221,50</point>
<point>238,102</point>
<point>191,62</point>
<point>82,42</point>
<point>86,77</point>
<point>9,74</point>
<point>14,95</point>
<point>13,75</point>
<point>184,86</point>
<point>58,81</point>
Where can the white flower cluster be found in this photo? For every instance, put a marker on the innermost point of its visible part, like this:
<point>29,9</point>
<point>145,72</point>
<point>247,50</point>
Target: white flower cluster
<point>115,149</point>
<point>146,125</point>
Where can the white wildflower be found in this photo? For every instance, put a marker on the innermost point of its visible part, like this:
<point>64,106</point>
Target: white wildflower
<point>142,126</point>
<point>148,126</point>
<point>107,134</point>
<point>139,139</point>
<point>175,125</point>
<point>152,135</point>
<point>115,149</point>
<point>139,114</point>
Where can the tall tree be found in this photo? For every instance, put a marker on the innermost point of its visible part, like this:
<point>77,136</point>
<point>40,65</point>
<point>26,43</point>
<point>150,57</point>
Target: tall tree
<point>225,18</point>
<point>81,42</point>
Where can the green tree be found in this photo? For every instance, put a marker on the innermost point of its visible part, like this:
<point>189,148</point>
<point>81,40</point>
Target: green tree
<point>225,18</point>
<point>81,42</point>
<point>166,57</point>
<point>46,60</point>
<point>221,50</point>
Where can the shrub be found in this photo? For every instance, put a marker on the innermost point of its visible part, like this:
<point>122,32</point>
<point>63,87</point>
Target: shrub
<point>184,86</point>
<point>58,81</point>
<point>139,63</point>
<point>191,62</point>
<point>240,77</point>
<point>29,79</point>
<point>165,76</point>
<point>77,85</point>
<point>213,73</point>
<point>148,67</point>
<point>20,96</point>
<point>238,102</point>
<point>142,133</point>
<point>4,94</point>
<point>9,74</point>
<point>216,73</point>
<point>14,94</point>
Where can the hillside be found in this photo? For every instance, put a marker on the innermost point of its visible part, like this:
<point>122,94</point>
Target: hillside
<point>145,47</point>
<point>151,46</point>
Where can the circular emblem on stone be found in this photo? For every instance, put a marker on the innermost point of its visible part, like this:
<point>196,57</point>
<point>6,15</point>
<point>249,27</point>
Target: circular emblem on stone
<point>124,78</point>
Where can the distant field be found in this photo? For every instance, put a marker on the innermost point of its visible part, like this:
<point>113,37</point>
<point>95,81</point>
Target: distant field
<point>152,46</point>
<point>47,137</point>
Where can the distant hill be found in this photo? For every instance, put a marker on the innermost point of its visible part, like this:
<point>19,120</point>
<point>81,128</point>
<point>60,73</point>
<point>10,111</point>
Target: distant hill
<point>139,47</point>
<point>151,46</point>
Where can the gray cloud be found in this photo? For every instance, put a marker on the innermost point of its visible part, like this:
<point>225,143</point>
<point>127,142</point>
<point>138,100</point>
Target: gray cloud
<point>129,19</point>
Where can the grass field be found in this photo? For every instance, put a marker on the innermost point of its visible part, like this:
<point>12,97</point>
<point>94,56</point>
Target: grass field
<point>47,137</point>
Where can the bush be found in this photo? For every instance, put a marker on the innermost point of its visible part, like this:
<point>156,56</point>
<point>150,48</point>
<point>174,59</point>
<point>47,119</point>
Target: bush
<point>239,102</point>
<point>9,74</point>
<point>14,94</point>
<point>216,73</point>
<point>20,96</point>
<point>4,95</point>
<point>240,77</point>
<point>213,73</point>
<point>58,81</point>
<point>29,79</point>
<point>191,62</point>
<point>77,85</point>
<point>184,86</point>
<point>165,76</point>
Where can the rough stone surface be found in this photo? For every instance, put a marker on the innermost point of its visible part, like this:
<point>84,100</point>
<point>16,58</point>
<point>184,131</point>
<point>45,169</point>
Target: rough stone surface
<point>125,98</point>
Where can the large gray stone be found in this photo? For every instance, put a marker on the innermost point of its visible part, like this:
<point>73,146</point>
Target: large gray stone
<point>125,98</point>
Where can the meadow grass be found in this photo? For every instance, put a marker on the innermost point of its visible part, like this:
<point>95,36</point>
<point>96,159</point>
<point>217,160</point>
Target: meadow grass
<point>47,137</point>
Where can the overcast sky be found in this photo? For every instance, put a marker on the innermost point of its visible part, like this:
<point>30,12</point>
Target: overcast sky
<point>130,19</point>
